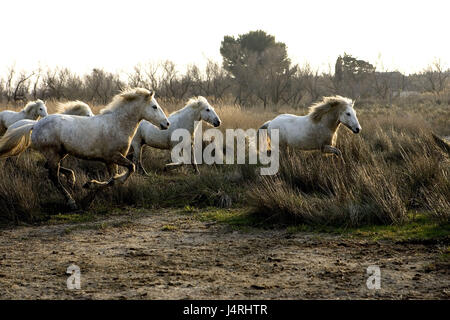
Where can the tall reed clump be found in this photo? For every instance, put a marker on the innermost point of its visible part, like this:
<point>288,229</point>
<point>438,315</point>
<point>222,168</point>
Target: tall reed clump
<point>382,176</point>
<point>19,192</point>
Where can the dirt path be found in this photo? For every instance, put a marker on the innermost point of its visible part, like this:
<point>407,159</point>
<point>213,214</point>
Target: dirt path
<point>171,256</point>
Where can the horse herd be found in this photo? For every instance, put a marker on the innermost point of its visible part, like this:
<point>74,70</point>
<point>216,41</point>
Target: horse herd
<point>133,119</point>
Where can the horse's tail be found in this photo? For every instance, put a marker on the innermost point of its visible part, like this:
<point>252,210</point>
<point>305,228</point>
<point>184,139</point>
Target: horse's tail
<point>15,140</point>
<point>265,125</point>
<point>445,146</point>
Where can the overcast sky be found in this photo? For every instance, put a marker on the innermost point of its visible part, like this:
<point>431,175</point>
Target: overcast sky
<point>116,35</point>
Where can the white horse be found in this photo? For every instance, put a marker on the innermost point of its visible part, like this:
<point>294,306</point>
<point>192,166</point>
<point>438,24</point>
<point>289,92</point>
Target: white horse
<point>74,108</point>
<point>105,137</point>
<point>318,129</point>
<point>32,111</point>
<point>196,109</point>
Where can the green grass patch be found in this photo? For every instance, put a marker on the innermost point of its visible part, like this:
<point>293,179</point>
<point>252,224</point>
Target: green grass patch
<point>420,227</point>
<point>445,256</point>
<point>169,227</point>
<point>237,217</point>
<point>72,218</point>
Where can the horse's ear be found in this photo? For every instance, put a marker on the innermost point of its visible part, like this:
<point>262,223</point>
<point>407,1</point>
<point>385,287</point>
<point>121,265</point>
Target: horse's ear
<point>152,94</point>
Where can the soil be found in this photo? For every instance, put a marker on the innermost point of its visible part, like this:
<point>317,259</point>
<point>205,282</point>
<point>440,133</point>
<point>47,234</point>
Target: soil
<point>167,255</point>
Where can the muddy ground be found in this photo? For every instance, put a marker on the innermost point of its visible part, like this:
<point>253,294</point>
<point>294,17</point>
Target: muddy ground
<point>166,255</point>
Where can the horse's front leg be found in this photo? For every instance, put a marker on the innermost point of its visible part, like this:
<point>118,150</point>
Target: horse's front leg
<point>87,201</point>
<point>122,161</point>
<point>113,162</point>
<point>332,150</point>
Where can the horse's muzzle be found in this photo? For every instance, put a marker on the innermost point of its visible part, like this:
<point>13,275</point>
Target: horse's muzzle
<point>216,123</point>
<point>164,126</point>
<point>356,130</point>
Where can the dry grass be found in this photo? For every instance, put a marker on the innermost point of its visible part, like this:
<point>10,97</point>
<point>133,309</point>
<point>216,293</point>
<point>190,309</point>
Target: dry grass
<point>391,169</point>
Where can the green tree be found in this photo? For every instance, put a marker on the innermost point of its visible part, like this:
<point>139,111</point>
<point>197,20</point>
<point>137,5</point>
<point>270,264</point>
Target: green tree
<point>351,75</point>
<point>259,65</point>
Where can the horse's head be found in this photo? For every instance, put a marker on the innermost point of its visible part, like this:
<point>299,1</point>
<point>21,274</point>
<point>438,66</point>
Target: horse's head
<point>36,109</point>
<point>153,112</point>
<point>207,112</point>
<point>348,118</point>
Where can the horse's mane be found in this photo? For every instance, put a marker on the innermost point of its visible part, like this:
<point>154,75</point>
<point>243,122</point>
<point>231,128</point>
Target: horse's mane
<point>126,95</point>
<point>194,103</point>
<point>31,105</point>
<point>328,104</point>
<point>73,107</point>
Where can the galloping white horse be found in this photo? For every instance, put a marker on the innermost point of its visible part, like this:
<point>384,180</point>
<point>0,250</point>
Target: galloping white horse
<point>318,129</point>
<point>105,137</point>
<point>74,108</point>
<point>32,111</point>
<point>196,109</point>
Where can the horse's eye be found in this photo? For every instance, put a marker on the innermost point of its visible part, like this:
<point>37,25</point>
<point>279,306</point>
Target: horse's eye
<point>155,107</point>
<point>348,113</point>
<point>207,110</point>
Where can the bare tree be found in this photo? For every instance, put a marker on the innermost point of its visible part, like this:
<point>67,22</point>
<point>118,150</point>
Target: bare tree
<point>436,77</point>
<point>102,86</point>
<point>9,83</point>
<point>22,86</point>
<point>311,78</point>
<point>36,82</point>
<point>217,80</point>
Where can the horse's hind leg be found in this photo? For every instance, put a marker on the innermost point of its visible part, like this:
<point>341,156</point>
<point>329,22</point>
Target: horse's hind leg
<point>53,167</point>
<point>69,174</point>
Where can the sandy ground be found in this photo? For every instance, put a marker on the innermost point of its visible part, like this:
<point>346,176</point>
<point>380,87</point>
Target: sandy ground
<point>140,257</point>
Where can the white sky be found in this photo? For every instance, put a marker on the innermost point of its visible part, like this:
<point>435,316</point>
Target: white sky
<point>116,35</point>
